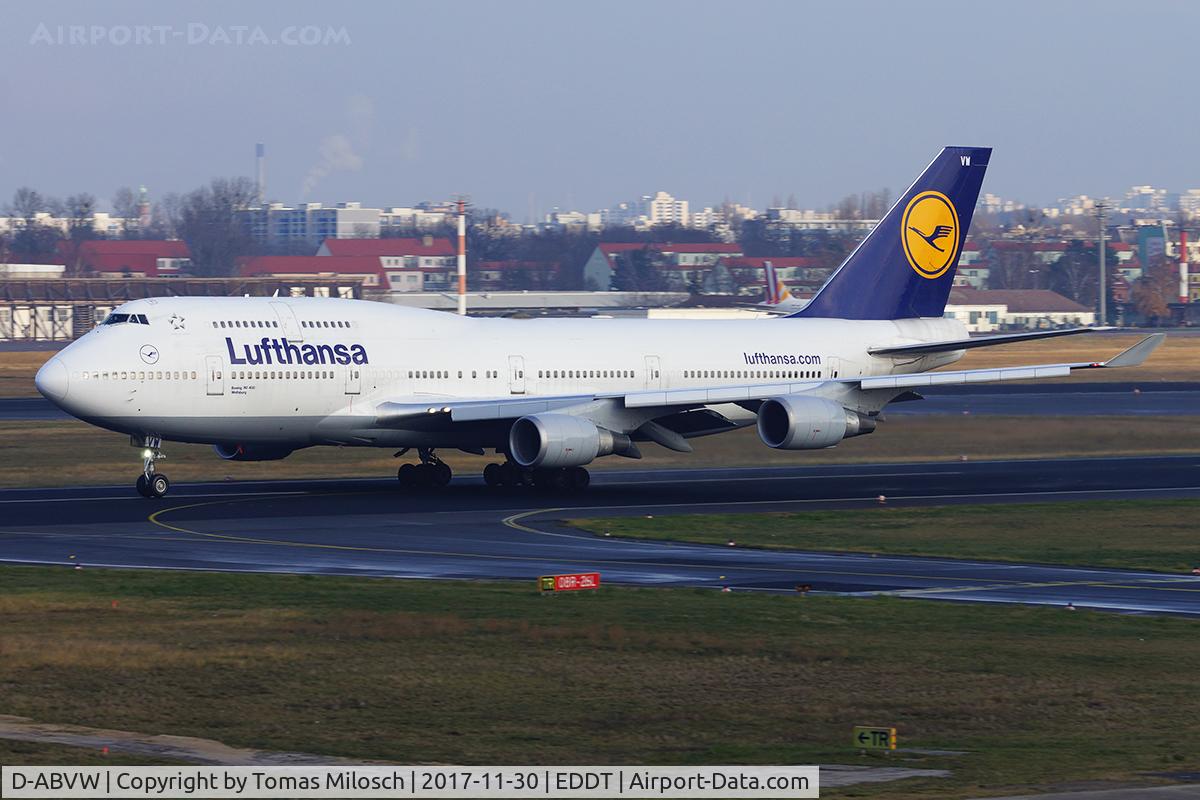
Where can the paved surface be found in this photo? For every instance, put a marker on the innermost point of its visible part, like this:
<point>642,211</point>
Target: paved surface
<point>176,748</point>
<point>1075,399</point>
<point>372,528</point>
<point>1066,398</point>
<point>1180,792</point>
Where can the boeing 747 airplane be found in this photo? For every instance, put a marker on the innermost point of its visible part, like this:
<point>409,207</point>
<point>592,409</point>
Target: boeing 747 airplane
<point>259,378</point>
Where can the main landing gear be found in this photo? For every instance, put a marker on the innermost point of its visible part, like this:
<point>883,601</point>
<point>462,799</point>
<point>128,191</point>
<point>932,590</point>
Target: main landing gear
<point>558,479</point>
<point>151,483</point>
<point>431,472</point>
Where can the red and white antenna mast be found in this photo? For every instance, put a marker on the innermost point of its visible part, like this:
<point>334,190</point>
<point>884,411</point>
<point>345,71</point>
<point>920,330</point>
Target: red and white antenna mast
<point>1183,265</point>
<point>462,255</point>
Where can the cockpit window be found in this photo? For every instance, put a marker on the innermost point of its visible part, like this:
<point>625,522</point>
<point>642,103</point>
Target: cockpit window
<point>133,319</point>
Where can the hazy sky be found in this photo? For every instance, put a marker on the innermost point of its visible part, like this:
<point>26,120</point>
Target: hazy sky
<point>582,105</point>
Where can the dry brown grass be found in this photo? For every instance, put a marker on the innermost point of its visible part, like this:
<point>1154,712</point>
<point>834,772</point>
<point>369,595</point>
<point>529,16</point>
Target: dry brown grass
<point>1177,359</point>
<point>68,453</point>
<point>17,369</point>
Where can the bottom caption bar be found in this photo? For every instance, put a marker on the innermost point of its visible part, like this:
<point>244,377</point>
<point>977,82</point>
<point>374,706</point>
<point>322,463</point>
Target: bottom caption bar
<point>381,782</point>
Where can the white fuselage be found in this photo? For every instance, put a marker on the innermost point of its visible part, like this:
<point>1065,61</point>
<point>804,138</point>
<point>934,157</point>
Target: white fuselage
<point>304,371</point>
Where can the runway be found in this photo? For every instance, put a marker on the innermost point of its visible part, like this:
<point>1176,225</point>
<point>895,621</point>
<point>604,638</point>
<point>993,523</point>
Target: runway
<point>1074,399</point>
<point>372,529</point>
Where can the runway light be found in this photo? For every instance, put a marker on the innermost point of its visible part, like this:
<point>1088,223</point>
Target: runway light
<point>882,499</point>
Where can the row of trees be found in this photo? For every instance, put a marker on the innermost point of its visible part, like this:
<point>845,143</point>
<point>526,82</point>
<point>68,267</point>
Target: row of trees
<point>205,218</point>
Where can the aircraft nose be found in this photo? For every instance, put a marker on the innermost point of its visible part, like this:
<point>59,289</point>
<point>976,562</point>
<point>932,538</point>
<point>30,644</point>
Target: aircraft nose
<point>53,379</point>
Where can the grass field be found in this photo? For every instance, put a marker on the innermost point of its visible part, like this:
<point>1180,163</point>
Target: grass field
<point>49,453</point>
<point>1135,534</point>
<point>487,673</point>
<point>17,368</point>
<point>1178,359</point>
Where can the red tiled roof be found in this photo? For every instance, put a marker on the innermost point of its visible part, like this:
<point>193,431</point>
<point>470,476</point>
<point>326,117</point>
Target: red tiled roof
<point>1018,300</point>
<point>122,255</point>
<point>409,246</point>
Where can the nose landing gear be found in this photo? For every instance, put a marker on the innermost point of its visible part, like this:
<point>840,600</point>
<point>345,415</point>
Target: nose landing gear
<point>151,483</point>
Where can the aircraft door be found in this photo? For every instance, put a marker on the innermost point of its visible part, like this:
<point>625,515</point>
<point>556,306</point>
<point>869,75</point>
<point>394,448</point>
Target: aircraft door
<point>214,366</point>
<point>288,322</point>
<point>832,368</point>
<point>516,374</point>
<point>653,373</point>
<point>353,379</point>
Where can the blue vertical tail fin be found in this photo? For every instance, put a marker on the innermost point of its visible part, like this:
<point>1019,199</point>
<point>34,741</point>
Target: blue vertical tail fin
<point>905,266</point>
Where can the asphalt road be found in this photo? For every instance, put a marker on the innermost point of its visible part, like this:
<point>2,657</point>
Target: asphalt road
<point>371,528</point>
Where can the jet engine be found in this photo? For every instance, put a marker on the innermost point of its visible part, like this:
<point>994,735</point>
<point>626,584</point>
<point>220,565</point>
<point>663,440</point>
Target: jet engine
<point>252,452</point>
<point>560,440</point>
<point>808,423</point>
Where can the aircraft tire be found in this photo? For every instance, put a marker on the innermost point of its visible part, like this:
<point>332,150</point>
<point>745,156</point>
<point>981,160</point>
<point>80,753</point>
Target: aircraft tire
<point>158,485</point>
<point>578,478</point>
<point>493,475</point>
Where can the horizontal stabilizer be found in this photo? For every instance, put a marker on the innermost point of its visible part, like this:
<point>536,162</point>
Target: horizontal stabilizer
<point>975,341</point>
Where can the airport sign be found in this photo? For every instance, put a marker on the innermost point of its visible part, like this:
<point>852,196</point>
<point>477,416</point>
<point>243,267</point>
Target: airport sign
<point>867,738</point>
<point>569,583</point>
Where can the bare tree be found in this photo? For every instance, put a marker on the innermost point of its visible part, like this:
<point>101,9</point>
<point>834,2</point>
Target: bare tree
<point>26,204</point>
<point>32,242</point>
<point>165,217</point>
<point>1155,290</point>
<point>209,223</point>
<point>125,205</point>
<point>80,211</point>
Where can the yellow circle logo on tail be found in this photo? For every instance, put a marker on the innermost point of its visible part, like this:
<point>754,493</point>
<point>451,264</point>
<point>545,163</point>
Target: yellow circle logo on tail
<point>929,233</point>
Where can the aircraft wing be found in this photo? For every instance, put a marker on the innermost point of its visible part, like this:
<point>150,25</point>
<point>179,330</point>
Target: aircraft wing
<point>975,341</point>
<point>1131,357</point>
<point>408,412</point>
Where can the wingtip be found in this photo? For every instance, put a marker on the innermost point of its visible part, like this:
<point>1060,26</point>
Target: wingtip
<point>1137,354</point>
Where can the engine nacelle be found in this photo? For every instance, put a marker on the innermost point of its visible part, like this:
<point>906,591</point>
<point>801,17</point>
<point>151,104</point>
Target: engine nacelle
<point>796,422</point>
<point>252,452</point>
<point>560,440</point>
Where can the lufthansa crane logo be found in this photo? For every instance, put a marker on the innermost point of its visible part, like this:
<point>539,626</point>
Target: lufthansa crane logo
<point>929,233</point>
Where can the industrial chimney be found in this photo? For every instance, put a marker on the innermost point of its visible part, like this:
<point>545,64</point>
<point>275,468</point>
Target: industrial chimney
<point>260,172</point>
